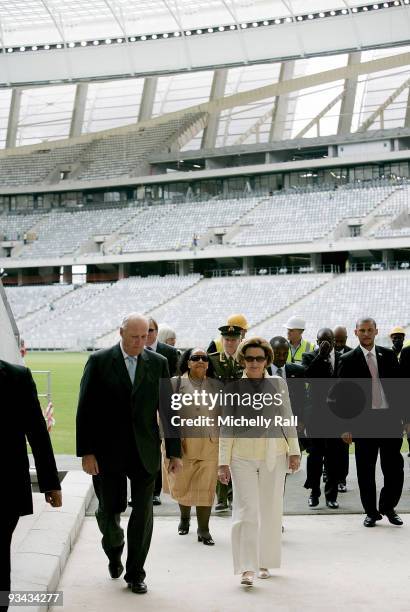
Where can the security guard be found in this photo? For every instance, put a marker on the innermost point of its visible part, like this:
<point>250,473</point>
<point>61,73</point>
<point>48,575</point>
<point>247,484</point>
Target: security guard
<point>225,365</point>
<point>226,368</point>
<point>298,346</point>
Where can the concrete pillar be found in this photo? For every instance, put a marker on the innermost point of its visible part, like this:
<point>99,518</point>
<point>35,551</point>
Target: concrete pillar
<point>184,267</point>
<point>349,97</point>
<point>387,257</point>
<point>14,114</point>
<point>77,117</point>
<point>123,270</point>
<point>281,109</point>
<point>148,98</point>
<point>217,91</point>
<point>247,264</point>
<point>68,275</point>
<point>316,261</point>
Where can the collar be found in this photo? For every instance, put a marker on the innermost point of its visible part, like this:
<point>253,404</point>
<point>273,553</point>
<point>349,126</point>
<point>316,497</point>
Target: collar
<point>366,352</point>
<point>153,347</point>
<point>124,354</point>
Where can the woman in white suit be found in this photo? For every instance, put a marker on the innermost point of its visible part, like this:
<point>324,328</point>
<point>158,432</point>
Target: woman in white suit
<point>258,467</point>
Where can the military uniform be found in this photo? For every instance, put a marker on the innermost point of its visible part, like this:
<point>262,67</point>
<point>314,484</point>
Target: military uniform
<point>226,368</point>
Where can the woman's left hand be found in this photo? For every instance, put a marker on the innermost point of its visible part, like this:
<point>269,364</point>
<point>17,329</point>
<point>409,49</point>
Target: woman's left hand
<point>294,463</point>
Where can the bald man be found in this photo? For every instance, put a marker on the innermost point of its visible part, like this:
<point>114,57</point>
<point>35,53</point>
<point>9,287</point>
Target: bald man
<point>340,335</point>
<point>118,438</point>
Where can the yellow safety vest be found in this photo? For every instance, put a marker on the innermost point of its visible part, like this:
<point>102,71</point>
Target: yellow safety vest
<point>305,347</point>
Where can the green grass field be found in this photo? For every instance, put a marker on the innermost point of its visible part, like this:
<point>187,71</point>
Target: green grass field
<point>66,371</point>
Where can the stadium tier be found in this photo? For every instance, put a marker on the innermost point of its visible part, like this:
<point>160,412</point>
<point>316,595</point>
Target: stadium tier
<point>280,218</point>
<point>89,316</point>
<point>84,314</point>
<point>100,157</point>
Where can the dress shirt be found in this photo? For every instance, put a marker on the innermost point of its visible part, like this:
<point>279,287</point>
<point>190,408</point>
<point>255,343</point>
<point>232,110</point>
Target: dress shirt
<point>152,347</point>
<point>275,370</point>
<point>374,357</point>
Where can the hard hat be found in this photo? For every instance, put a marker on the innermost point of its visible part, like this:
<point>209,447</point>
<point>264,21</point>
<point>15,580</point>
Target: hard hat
<point>398,330</point>
<point>238,320</point>
<point>295,323</point>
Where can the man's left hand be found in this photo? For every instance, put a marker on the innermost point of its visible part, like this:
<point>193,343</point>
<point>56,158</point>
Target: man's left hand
<point>54,498</point>
<point>175,465</point>
<point>294,463</point>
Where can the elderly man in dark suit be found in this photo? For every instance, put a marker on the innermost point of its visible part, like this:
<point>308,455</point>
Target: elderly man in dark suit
<point>22,419</point>
<point>118,437</point>
<point>385,418</point>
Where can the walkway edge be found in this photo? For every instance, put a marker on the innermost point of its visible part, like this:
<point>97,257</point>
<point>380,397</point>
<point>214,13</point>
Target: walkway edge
<point>40,559</point>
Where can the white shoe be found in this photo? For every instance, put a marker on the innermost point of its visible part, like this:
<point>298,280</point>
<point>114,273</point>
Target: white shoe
<point>247,578</point>
<point>264,573</point>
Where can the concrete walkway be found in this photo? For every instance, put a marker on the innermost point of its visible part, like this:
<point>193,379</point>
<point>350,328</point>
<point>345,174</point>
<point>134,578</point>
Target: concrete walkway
<point>330,563</point>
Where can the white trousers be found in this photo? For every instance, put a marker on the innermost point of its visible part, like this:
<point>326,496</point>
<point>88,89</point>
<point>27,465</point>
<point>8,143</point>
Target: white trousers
<point>257,513</point>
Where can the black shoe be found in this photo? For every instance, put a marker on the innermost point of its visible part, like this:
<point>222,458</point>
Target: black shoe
<point>138,586</point>
<point>130,502</point>
<point>341,487</point>
<point>115,567</point>
<point>221,507</point>
<point>393,518</point>
<point>207,540</point>
<point>313,501</point>
<point>156,500</point>
<point>183,527</point>
<point>369,521</point>
<point>332,504</point>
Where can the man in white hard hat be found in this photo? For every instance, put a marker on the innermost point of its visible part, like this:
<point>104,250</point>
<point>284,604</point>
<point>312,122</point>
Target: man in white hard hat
<point>296,326</point>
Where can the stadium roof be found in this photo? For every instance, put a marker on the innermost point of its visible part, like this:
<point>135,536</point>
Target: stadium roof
<point>45,41</point>
<point>45,21</point>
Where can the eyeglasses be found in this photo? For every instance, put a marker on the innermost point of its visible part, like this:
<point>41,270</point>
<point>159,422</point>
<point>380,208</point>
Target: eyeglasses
<point>204,358</point>
<point>259,359</point>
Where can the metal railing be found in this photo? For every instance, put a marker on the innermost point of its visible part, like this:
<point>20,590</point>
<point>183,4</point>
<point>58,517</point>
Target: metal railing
<point>269,271</point>
<point>374,266</point>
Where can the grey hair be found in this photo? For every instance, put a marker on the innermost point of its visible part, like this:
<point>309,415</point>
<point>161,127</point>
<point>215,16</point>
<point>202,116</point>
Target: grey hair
<point>165,332</point>
<point>133,316</point>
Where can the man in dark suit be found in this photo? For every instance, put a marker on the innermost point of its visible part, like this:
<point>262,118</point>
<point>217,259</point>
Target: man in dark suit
<point>118,437</point>
<point>340,334</point>
<point>321,364</point>
<point>171,355</point>
<point>292,373</point>
<point>22,419</point>
<point>169,352</point>
<point>405,374</point>
<point>384,421</point>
